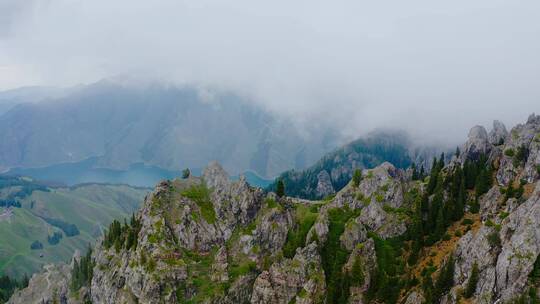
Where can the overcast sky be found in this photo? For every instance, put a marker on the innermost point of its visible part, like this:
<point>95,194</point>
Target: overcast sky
<point>435,68</point>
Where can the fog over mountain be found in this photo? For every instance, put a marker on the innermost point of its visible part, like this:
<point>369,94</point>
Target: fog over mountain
<point>431,68</point>
<point>117,125</point>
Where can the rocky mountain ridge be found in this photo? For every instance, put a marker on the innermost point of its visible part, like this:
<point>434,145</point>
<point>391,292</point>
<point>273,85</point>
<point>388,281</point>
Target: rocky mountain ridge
<point>467,233</point>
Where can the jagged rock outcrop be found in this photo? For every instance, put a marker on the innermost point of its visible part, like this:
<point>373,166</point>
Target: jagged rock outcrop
<point>415,298</point>
<point>234,201</point>
<point>355,233</point>
<point>193,214</point>
<point>320,227</point>
<point>507,245</point>
<point>48,287</point>
<point>219,267</point>
<point>301,278</point>
<point>477,248</point>
<point>520,235</point>
<point>324,184</point>
<point>498,133</point>
<point>368,259</point>
<point>476,145</point>
<point>386,225</point>
<point>383,185</point>
<point>505,259</point>
<point>521,153</point>
<point>489,203</point>
<point>271,232</point>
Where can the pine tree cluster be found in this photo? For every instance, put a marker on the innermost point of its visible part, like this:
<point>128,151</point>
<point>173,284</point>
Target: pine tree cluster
<point>9,285</point>
<point>122,236</point>
<point>445,199</point>
<point>434,292</point>
<point>81,274</point>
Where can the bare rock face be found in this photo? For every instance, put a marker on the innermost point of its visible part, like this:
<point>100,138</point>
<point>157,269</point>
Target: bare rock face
<point>219,267</point>
<point>415,297</point>
<point>271,232</point>
<point>476,248</point>
<point>355,233</point>
<point>489,203</point>
<point>215,177</point>
<point>531,169</point>
<point>507,171</point>
<point>234,201</point>
<point>324,184</point>
<point>383,184</point>
<point>386,225</point>
<point>320,228</point>
<point>521,159</point>
<point>48,287</point>
<point>300,278</point>
<point>477,144</point>
<point>505,258</point>
<point>520,235</point>
<point>498,134</point>
<point>368,257</point>
<point>178,215</point>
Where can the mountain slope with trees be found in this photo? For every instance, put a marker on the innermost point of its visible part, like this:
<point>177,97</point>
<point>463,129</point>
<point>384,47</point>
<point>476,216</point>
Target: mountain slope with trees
<point>334,170</point>
<point>467,231</point>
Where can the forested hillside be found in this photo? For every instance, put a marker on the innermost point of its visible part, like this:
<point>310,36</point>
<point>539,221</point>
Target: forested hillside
<point>334,170</point>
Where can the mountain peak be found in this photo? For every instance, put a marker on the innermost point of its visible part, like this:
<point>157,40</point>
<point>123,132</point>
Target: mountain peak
<point>215,176</point>
<point>498,133</point>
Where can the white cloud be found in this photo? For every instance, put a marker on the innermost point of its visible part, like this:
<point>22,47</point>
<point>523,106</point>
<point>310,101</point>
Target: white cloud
<point>432,68</point>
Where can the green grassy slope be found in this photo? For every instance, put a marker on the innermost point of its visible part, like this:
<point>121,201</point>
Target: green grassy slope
<point>90,207</point>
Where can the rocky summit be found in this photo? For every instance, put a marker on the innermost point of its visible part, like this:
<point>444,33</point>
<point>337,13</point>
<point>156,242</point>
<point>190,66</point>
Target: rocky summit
<point>466,232</point>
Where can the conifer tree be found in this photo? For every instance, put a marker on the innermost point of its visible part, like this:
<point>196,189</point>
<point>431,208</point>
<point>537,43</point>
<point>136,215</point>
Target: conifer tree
<point>433,177</point>
<point>441,162</point>
<point>416,233</point>
<point>357,274</point>
<point>473,281</point>
<point>414,172</point>
<point>483,181</point>
<point>439,224</point>
<point>436,203</point>
<point>460,201</point>
<point>445,281</point>
<point>357,177</point>
<point>280,188</point>
<point>422,172</point>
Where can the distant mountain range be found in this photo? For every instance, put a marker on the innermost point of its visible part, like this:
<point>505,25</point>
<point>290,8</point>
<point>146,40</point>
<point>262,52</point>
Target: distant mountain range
<point>168,127</point>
